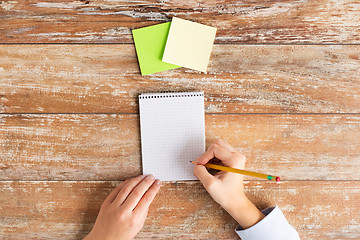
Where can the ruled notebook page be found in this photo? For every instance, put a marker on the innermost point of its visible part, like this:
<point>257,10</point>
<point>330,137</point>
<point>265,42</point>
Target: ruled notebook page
<point>172,129</point>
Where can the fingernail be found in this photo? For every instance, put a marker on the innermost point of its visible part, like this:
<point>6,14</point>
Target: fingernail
<point>150,177</point>
<point>158,182</point>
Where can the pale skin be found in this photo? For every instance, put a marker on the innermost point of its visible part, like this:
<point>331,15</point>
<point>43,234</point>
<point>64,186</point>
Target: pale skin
<point>123,213</point>
<point>227,188</point>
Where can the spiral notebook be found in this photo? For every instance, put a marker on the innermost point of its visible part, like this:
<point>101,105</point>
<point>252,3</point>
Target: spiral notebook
<point>172,129</point>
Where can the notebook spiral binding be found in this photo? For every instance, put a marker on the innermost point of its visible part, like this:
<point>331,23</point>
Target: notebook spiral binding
<point>170,95</point>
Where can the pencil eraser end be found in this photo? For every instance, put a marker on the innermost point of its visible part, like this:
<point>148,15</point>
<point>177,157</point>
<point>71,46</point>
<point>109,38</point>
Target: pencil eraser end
<point>277,179</point>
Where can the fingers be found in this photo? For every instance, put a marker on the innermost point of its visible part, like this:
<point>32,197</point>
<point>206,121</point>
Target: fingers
<point>224,152</point>
<point>148,197</point>
<point>138,192</point>
<point>114,193</point>
<point>126,189</point>
<point>218,151</point>
<point>223,143</point>
<point>203,175</point>
<point>238,157</point>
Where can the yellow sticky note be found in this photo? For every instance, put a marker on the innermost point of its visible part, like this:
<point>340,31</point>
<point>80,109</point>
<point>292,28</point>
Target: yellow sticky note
<point>189,44</point>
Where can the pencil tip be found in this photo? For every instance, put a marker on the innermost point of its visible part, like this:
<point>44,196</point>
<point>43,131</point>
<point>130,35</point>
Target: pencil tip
<point>278,179</point>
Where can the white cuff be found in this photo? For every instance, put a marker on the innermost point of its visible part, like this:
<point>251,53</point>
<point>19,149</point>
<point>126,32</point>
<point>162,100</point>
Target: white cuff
<point>273,226</point>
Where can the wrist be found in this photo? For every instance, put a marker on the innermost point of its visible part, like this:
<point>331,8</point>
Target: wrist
<point>245,213</point>
<point>235,203</point>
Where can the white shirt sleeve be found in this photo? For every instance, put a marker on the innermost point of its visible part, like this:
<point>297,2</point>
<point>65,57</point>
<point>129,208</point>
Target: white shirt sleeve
<point>273,226</point>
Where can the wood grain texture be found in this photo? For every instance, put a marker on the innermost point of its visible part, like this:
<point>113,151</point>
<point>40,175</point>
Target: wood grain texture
<point>108,21</point>
<point>292,109</point>
<point>240,79</point>
<point>182,210</point>
<point>107,147</point>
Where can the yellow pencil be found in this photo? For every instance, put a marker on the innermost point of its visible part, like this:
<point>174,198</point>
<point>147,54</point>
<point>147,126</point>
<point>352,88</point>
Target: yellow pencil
<point>240,171</point>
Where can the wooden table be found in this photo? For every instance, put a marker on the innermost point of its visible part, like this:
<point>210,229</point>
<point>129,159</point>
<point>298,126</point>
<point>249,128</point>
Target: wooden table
<point>282,86</point>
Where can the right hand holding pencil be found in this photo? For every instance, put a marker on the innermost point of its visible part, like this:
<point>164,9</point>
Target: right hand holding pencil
<point>227,188</point>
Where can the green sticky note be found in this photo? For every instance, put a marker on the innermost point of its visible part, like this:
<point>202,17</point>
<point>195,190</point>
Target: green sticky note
<point>150,44</point>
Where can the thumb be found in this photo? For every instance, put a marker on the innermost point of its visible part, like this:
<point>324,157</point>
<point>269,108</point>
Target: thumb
<point>203,175</point>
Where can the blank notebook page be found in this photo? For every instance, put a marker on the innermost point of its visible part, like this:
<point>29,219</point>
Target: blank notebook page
<point>172,133</point>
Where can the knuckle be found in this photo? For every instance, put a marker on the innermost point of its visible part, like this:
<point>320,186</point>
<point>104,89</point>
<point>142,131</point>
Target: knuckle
<point>214,146</point>
<point>236,156</point>
<point>126,189</point>
<point>133,222</point>
<point>149,180</point>
<point>137,192</point>
<point>121,217</point>
<point>133,180</point>
<point>240,156</point>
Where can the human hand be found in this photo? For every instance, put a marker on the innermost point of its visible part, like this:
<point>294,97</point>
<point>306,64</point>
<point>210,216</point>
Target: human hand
<point>227,188</point>
<point>123,213</point>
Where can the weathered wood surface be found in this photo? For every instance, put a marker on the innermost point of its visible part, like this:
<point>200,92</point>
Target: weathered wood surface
<point>107,147</point>
<point>316,154</point>
<point>240,79</point>
<point>182,210</point>
<point>108,21</point>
